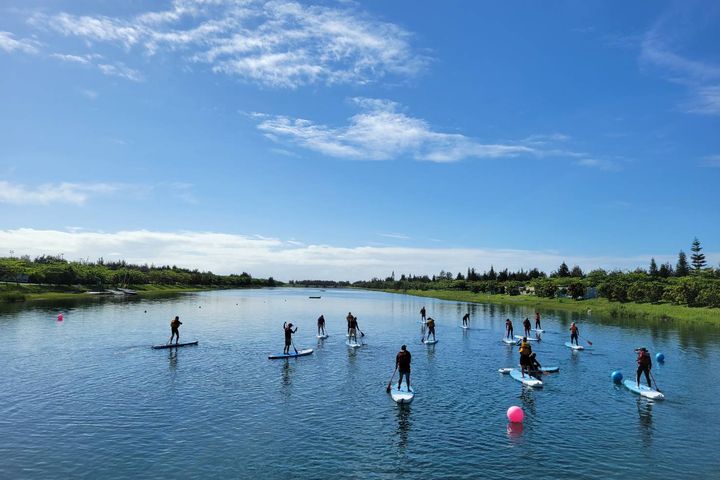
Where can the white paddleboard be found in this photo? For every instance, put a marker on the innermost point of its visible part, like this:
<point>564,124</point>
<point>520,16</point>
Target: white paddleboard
<point>174,345</point>
<point>322,337</point>
<point>300,353</point>
<point>404,395</point>
<point>574,347</point>
<point>538,330</point>
<point>530,339</point>
<point>543,370</point>
<point>526,380</point>
<point>510,341</point>
<point>430,342</point>
<point>643,390</point>
<point>353,344</point>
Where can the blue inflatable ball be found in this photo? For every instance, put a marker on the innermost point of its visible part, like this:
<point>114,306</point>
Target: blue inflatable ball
<point>616,376</point>
<point>660,357</point>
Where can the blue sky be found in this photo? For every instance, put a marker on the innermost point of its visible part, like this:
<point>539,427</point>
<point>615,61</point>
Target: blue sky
<point>345,140</point>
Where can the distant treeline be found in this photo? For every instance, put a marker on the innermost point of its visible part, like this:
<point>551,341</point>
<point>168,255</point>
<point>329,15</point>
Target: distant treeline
<point>101,274</point>
<point>318,283</point>
<point>692,284</point>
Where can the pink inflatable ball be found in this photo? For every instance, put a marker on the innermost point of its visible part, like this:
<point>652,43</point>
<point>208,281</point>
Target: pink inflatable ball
<point>515,414</point>
<point>60,317</point>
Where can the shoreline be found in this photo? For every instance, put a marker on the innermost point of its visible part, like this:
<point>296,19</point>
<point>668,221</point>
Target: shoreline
<point>39,293</point>
<point>598,306</point>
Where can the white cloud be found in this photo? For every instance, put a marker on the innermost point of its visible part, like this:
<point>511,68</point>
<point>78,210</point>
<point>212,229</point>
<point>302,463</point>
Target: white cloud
<point>381,132</point>
<point>120,70</point>
<point>231,253</point>
<point>81,59</point>
<point>396,236</point>
<point>710,161</point>
<point>701,77</point>
<point>9,44</point>
<point>72,193</point>
<point>278,43</point>
<point>598,164</point>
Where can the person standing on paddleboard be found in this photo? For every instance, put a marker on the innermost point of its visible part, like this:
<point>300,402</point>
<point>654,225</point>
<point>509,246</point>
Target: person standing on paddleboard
<point>288,336</point>
<point>574,334</point>
<point>352,329</point>
<point>466,317</point>
<point>175,330</point>
<point>526,326</point>
<point>402,363</point>
<point>431,328</point>
<point>508,329</point>
<point>644,365</point>
<point>537,321</point>
<point>422,313</point>
<point>321,325</point>
<point>525,351</point>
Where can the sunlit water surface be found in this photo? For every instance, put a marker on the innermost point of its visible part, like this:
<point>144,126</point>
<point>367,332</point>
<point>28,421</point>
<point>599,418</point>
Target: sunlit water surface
<point>88,397</point>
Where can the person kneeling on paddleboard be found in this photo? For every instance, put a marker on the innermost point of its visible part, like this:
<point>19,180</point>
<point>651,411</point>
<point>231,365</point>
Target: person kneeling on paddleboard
<point>321,325</point>
<point>402,363</point>
<point>288,336</point>
<point>175,330</point>
<point>509,329</point>
<point>574,334</point>
<point>431,328</point>
<point>534,365</point>
<point>644,365</point>
<point>525,351</point>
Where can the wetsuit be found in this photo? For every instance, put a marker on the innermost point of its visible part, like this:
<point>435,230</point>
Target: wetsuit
<point>402,361</point>
<point>526,324</point>
<point>321,325</point>
<point>574,334</point>
<point>422,313</point>
<point>174,329</point>
<point>644,365</point>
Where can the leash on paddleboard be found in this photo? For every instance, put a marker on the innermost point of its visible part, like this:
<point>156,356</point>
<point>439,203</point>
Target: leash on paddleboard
<point>391,378</point>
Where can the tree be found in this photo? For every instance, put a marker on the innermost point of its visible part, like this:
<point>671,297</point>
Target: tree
<point>666,270</point>
<point>563,270</point>
<point>653,268</point>
<point>576,272</point>
<point>682,269</point>
<point>697,258</point>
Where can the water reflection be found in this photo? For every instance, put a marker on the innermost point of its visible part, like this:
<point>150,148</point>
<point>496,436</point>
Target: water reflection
<point>172,358</point>
<point>403,428</point>
<point>645,423</point>
<point>527,397</point>
<point>514,432</point>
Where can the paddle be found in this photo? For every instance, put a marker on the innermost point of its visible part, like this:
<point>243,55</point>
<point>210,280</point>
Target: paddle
<point>391,379</point>
<point>585,339</point>
<point>654,381</point>
<point>293,345</point>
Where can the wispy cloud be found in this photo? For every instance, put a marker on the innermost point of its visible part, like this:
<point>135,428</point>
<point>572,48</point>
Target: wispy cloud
<point>607,165</point>
<point>10,45</point>
<point>72,193</point>
<point>277,43</point>
<point>82,59</point>
<point>712,161</point>
<point>397,236</point>
<point>120,70</point>
<point>381,131</point>
<point>262,256</point>
<point>701,77</point>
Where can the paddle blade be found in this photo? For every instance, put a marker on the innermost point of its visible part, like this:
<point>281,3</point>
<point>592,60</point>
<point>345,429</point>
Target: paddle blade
<point>588,342</point>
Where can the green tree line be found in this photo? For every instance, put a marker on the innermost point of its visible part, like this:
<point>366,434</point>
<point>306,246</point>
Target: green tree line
<point>692,283</point>
<point>55,270</point>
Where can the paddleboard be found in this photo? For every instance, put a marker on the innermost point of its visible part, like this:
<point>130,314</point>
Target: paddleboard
<point>510,341</point>
<point>403,395</point>
<point>574,347</point>
<point>353,344</point>
<point>175,345</point>
<point>430,342</point>
<point>543,370</point>
<point>643,390</point>
<point>322,337</point>
<point>538,330</point>
<point>464,327</point>
<point>526,380</point>
<point>301,353</point>
<point>530,339</point>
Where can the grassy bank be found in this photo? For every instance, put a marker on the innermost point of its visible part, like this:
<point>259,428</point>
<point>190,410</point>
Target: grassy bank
<point>10,293</point>
<point>598,306</point>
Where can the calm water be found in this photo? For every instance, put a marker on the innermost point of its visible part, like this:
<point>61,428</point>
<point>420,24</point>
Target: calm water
<point>87,397</point>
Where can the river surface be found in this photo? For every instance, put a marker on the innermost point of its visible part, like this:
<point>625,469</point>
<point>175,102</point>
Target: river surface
<point>88,398</point>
